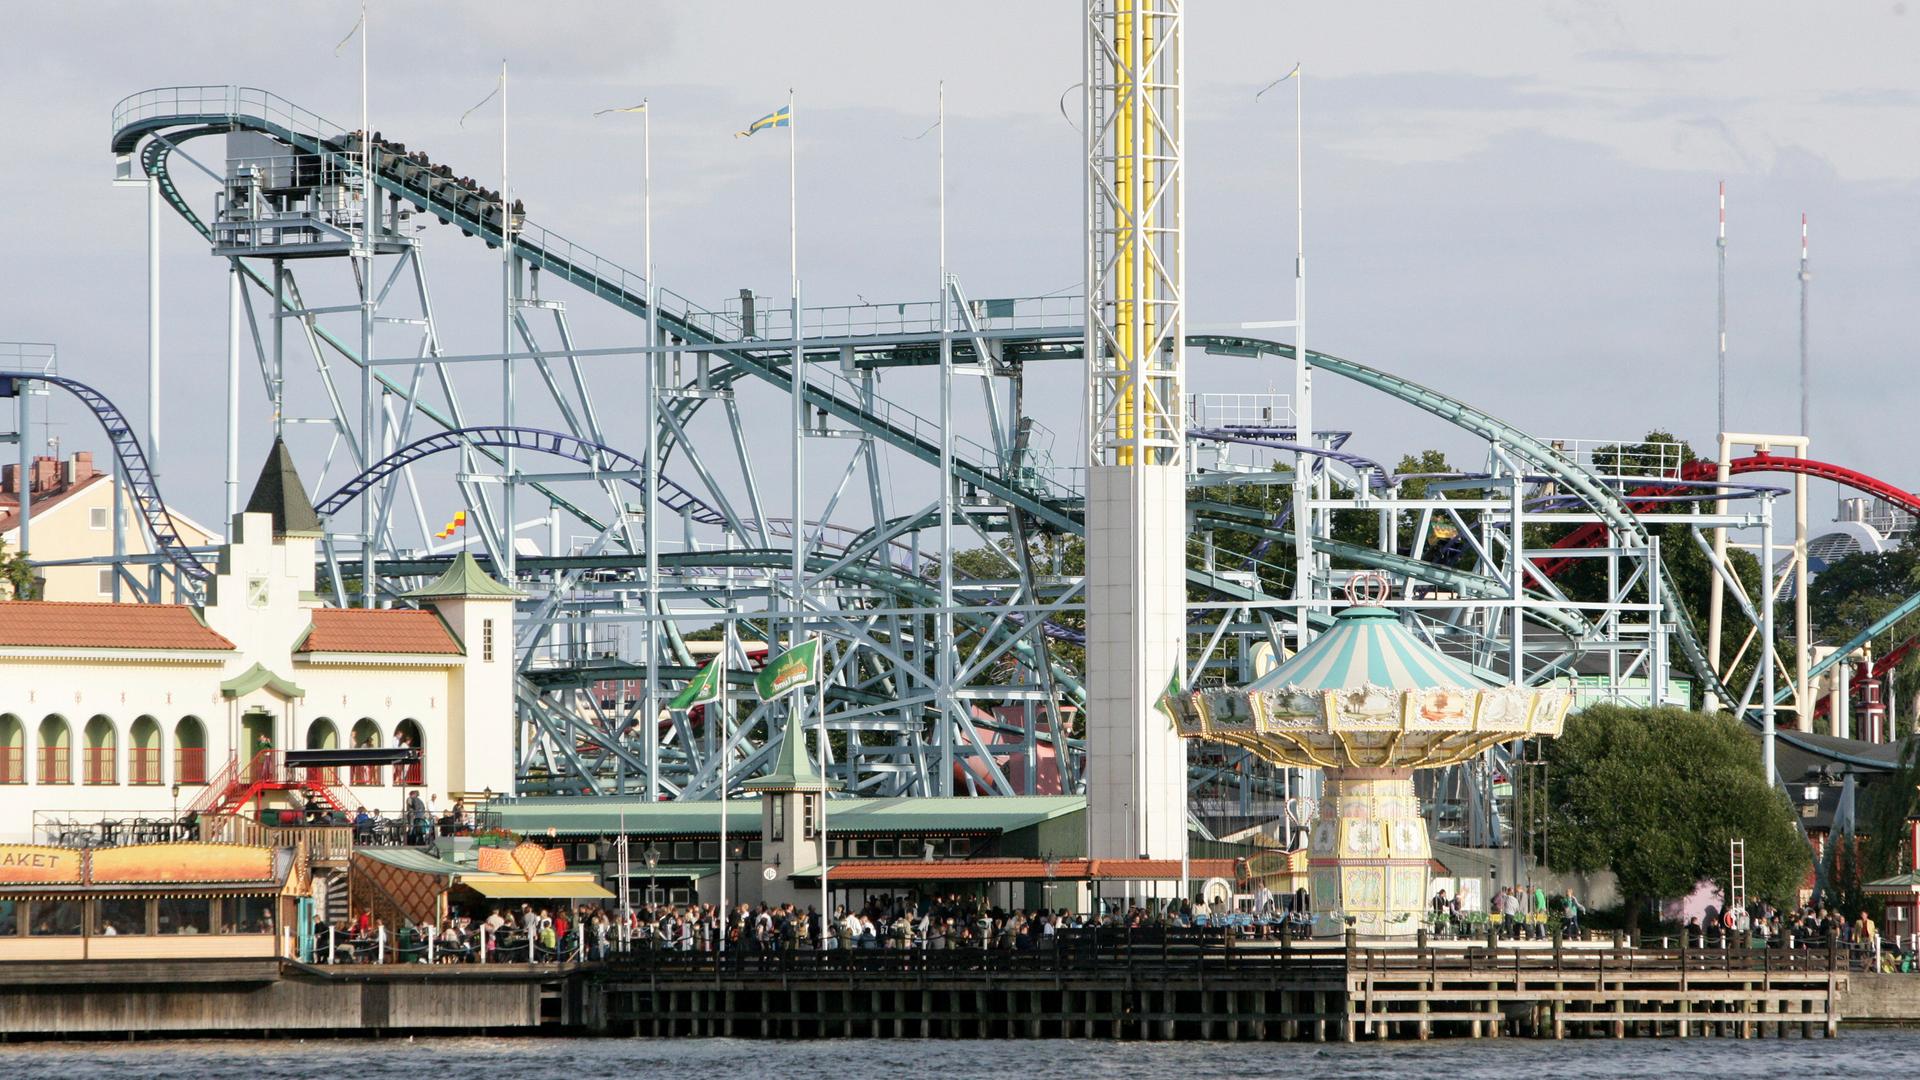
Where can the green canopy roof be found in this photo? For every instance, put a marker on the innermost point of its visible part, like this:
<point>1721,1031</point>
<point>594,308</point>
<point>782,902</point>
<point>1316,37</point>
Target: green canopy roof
<point>1368,646</point>
<point>463,578</point>
<point>604,815</point>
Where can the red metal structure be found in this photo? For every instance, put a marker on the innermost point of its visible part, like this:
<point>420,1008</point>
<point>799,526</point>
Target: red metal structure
<point>1595,534</point>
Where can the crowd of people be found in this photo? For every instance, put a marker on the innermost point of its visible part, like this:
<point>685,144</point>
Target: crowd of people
<point>590,932</point>
<point>1515,913</point>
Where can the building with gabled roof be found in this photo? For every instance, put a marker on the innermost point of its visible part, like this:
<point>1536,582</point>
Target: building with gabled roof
<point>71,518</point>
<point>152,710</point>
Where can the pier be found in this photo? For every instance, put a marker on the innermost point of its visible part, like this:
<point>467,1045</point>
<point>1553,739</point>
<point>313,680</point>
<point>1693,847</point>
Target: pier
<point>1153,987</point>
<point>1174,990</point>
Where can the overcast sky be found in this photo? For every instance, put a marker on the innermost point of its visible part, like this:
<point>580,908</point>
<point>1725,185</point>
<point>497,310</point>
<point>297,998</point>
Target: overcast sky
<point>1511,202</point>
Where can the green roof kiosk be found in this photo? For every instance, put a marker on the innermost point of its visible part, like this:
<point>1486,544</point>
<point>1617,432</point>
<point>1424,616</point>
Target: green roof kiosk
<point>1369,703</point>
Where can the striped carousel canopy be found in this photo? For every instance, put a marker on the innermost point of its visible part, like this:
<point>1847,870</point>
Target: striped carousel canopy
<point>1368,646</point>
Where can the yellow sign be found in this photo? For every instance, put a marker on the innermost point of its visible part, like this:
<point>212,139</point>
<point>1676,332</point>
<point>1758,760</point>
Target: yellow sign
<point>529,860</point>
<point>180,864</point>
<point>30,864</point>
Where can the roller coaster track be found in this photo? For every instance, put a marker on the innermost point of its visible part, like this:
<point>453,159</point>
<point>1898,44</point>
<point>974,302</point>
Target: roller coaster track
<point>133,465</point>
<point>193,111</point>
<point>599,455</point>
<point>1592,535</point>
<point>243,108</point>
<point>149,114</point>
<point>1610,505</point>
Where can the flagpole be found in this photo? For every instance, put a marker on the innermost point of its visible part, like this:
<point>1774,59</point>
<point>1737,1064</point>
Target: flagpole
<point>507,559</point>
<point>368,414</point>
<point>1303,588</point>
<point>651,432</point>
<point>943,660</point>
<point>820,688</point>
<point>726,638</point>
<point>798,621</point>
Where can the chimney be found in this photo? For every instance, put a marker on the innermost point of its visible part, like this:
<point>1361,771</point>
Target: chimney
<point>82,469</point>
<point>10,480</point>
<point>46,474</point>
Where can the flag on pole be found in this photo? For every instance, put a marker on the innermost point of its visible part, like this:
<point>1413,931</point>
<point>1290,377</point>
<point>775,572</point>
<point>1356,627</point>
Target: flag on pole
<point>491,94</point>
<point>459,521</point>
<point>781,117</point>
<point>705,687</point>
<point>1291,74</point>
<point>1169,703</point>
<point>791,670</point>
<point>642,107</point>
<point>358,23</point>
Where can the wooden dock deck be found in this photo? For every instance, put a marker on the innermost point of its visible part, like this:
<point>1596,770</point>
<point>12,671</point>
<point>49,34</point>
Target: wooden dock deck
<point>1176,989</point>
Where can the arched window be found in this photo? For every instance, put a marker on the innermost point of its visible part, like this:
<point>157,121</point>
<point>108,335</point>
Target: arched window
<point>189,751</point>
<point>323,735</point>
<point>56,750</point>
<point>13,750</point>
<point>407,733</point>
<point>366,735</point>
<point>101,739</point>
<point>143,751</point>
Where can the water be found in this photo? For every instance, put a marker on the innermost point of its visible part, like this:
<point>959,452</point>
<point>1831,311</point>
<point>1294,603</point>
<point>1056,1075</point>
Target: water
<point>1853,1055</point>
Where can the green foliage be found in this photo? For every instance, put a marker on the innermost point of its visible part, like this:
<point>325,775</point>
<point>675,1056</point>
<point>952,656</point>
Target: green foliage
<point>1885,806</point>
<point>17,581</point>
<point>1363,527</point>
<point>1854,591</point>
<point>1655,795</point>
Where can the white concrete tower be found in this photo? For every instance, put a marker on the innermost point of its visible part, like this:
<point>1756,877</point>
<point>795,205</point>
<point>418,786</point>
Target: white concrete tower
<point>1136,476</point>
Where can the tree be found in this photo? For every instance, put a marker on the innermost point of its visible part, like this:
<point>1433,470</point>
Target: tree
<point>1655,795</point>
<point>17,581</point>
<point>1853,592</point>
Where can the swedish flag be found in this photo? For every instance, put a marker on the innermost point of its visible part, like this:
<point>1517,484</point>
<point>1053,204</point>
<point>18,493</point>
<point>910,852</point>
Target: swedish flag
<point>781,117</point>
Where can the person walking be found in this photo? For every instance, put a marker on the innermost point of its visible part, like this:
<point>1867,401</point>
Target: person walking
<point>1570,910</point>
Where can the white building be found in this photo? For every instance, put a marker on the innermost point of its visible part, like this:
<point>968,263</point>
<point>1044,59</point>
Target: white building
<point>105,708</point>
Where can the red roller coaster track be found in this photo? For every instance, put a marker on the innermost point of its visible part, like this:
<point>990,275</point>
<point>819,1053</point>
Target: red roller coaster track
<point>1593,535</point>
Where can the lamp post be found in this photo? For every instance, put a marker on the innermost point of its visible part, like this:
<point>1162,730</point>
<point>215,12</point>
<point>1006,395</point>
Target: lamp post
<point>176,805</point>
<point>739,852</point>
<point>652,857</point>
<point>1053,866</point>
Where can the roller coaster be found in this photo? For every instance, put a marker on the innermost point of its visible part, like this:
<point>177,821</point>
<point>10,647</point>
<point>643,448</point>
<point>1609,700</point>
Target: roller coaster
<point>658,555</point>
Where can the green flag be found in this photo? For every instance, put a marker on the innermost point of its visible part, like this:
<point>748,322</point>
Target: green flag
<point>1169,702</point>
<point>791,670</point>
<point>705,687</point>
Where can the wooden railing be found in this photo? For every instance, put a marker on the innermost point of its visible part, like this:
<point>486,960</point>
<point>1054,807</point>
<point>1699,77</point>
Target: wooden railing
<point>325,843</point>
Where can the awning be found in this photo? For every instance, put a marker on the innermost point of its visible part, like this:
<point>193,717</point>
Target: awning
<point>538,889</point>
<point>637,872</point>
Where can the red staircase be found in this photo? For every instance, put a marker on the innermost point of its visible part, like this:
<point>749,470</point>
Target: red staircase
<point>236,786</point>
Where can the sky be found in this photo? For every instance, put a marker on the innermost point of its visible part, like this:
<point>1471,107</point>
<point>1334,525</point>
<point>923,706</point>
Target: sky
<point>1512,203</point>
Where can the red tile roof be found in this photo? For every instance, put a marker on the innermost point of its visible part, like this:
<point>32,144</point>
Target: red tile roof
<point>44,501</point>
<point>55,624</point>
<point>375,630</point>
<point>889,870</point>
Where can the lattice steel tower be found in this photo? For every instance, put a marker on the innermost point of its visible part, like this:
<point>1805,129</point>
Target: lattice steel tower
<point>1136,497</point>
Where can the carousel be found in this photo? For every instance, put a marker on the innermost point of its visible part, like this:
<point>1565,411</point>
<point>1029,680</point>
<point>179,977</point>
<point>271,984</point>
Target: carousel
<point>1368,703</point>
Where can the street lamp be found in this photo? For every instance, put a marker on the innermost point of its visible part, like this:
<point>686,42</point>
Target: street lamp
<point>1053,865</point>
<point>739,852</point>
<point>652,857</point>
